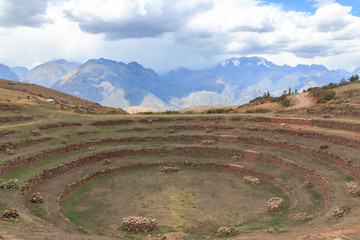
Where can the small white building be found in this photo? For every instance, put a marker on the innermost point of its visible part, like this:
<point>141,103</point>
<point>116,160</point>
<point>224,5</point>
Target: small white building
<point>50,100</point>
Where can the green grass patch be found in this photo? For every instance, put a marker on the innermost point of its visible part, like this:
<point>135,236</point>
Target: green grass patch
<point>23,137</point>
<point>317,196</point>
<point>349,178</point>
<point>3,206</point>
<point>38,211</point>
<point>60,158</point>
<point>18,173</point>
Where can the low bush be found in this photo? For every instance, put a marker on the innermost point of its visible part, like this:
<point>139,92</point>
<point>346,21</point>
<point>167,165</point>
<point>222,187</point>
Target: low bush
<point>283,100</point>
<point>323,95</point>
<point>259,110</point>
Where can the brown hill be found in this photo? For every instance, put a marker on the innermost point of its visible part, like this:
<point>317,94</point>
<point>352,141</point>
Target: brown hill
<point>19,92</point>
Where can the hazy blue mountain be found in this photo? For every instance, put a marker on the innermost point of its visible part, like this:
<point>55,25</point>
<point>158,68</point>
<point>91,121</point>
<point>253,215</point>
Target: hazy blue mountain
<point>357,71</point>
<point>264,75</point>
<point>207,88</point>
<point>48,73</point>
<point>20,71</point>
<point>231,82</point>
<point>118,84</point>
<point>7,73</point>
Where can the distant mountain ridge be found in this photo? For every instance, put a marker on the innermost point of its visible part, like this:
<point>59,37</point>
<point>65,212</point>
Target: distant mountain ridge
<point>7,73</point>
<point>233,81</point>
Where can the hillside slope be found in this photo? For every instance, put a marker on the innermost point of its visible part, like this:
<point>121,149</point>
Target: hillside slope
<point>36,96</point>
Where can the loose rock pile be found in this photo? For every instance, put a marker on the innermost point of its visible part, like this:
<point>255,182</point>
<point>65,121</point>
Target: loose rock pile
<point>251,180</point>
<point>339,212</point>
<point>307,184</point>
<point>303,216</point>
<point>226,231</point>
<point>9,151</point>
<point>324,146</point>
<point>36,198</point>
<point>275,205</point>
<point>132,223</point>
<point>170,169</point>
<point>273,230</point>
<point>353,188</point>
<point>10,214</point>
<point>207,142</point>
<point>236,158</point>
<point>10,185</point>
<point>35,132</point>
<point>157,237</point>
<point>105,162</point>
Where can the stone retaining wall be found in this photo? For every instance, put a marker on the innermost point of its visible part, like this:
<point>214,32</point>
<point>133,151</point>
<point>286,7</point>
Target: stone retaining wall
<point>6,132</point>
<point>22,144</point>
<point>338,140</point>
<point>309,174</point>
<point>338,125</point>
<point>59,125</point>
<point>23,161</point>
<point>14,119</point>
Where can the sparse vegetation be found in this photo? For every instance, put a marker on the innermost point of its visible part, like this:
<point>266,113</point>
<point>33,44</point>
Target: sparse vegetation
<point>259,110</point>
<point>283,100</point>
<point>323,95</point>
<point>198,198</point>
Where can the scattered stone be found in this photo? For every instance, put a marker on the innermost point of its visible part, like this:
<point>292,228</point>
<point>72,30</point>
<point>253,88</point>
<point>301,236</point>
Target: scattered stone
<point>307,184</point>
<point>136,224</point>
<point>162,154</point>
<point>274,205</point>
<point>208,130</point>
<point>251,180</point>
<point>105,162</point>
<point>92,148</point>
<point>9,151</point>
<point>226,231</point>
<point>353,188</point>
<point>24,187</point>
<point>273,230</point>
<point>326,116</point>
<point>340,212</point>
<point>36,198</point>
<point>64,141</point>
<point>157,237</point>
<point>303,216</point>
<point>10,214</point>
<point>169,169</point>
<point>10,185</point>
<point>171,131</point>
<point>207,142</point>
<point>324,146</point>
<point>35,132</point>
<point>236,158</point>
<point>342,238</point>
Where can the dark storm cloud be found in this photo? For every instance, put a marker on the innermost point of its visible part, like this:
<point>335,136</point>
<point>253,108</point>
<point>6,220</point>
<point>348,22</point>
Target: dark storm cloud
<point>264,28</point>
<point>149,25</point>
<point>30,13</point>
<point>134,28</point>
<point>315,50</point>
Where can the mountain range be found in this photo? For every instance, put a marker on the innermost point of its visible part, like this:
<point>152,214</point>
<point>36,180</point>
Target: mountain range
<point>231,82</point>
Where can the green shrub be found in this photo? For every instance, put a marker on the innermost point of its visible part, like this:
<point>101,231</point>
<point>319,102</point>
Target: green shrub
<point>283,100</point>
<point>323,95</point>
<point>259,110</point>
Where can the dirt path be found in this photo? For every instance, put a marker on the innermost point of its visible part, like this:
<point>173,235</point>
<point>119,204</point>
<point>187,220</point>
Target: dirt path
<point>302,100</point>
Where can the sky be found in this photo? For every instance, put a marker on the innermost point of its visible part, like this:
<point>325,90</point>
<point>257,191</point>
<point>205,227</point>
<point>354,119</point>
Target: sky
<point>167,34</point>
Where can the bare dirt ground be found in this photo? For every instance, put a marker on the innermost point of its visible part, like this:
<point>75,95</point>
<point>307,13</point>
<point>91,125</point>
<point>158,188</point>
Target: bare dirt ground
<point>303,100</point>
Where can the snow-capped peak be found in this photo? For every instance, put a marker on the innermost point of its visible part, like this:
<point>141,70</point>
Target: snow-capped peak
<point>262,62</point>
